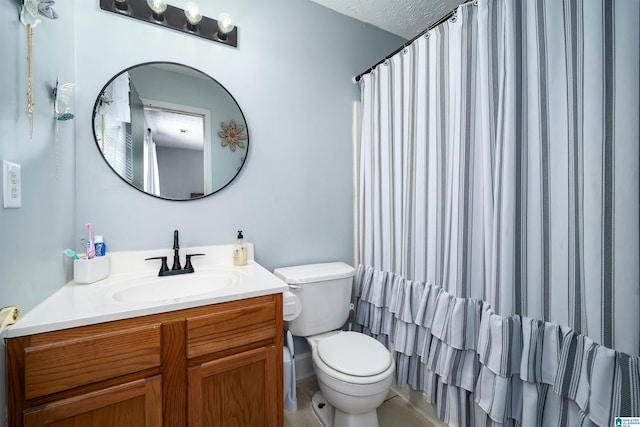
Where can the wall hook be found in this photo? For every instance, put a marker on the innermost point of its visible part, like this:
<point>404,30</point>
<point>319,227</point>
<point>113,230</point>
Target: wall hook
<point>63,96</point>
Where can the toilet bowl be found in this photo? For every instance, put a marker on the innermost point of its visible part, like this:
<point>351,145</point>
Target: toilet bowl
<point>354,371</point>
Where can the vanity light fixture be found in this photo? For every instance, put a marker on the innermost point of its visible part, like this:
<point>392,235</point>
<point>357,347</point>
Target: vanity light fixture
<point>189,20</point>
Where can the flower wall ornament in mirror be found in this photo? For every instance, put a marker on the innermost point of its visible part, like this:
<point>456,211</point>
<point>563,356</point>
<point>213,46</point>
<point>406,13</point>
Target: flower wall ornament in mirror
<point>188,20</point>
<point>232,135</point>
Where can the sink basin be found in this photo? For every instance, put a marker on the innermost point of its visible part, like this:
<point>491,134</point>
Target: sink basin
<point>155,289</point>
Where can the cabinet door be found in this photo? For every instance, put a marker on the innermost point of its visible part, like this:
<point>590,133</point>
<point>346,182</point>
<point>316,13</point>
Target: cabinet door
<point>239,390</point>
<point>138,403</point>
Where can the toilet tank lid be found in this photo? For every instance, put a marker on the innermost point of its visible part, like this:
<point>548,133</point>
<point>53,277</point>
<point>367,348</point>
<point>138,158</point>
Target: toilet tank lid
<point>314,272</point>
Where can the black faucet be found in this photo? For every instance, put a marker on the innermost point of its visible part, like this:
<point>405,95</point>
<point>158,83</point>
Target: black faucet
<point>176,248</point>
<point>176,269</point>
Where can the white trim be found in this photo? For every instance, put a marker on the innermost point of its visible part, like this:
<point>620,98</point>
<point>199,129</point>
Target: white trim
<point>206,114</point>
<point>356,134</point>
<point>304,366</point>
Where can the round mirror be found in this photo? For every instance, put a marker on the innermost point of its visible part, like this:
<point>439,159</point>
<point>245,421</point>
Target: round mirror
<point>170,131</point>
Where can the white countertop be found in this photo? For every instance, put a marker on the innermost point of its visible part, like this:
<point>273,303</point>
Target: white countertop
<point>76,305</point>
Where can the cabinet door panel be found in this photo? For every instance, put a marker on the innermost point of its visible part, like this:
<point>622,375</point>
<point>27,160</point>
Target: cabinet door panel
<point>138,403</point>
<point>235,391</point>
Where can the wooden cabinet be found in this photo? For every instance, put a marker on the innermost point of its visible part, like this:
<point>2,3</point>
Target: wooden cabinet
<point>136,403</point>
<point>206,366</point>
<point>232,392</point>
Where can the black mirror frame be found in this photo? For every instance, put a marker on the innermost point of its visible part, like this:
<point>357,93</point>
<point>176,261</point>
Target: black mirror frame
<point>95,137</point>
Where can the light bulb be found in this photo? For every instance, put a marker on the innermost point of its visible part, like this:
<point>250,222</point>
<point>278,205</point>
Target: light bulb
<point>157,6</point>
<point>121,4</point>
<point>192,13</point>
<point>225,24</point>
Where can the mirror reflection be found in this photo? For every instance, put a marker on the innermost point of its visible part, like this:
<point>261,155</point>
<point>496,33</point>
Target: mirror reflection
<point>170,131</point>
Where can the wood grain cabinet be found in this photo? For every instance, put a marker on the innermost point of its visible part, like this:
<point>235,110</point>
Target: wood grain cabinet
<point>216,365</point>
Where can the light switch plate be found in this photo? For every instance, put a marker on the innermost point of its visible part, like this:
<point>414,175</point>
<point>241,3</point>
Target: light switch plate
<point>11,185</point>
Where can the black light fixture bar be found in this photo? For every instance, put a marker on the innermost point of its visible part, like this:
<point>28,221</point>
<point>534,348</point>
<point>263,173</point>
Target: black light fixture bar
<point>172,18</point>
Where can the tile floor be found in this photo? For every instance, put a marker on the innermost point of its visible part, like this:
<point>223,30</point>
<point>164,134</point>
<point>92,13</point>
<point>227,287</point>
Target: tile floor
<point>394,412</point>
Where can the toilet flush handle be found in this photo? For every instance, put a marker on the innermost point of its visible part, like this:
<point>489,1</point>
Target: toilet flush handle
<point>294,287</point>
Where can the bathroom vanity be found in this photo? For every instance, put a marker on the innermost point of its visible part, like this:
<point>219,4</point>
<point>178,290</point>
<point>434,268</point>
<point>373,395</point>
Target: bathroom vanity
<point>211,359</point>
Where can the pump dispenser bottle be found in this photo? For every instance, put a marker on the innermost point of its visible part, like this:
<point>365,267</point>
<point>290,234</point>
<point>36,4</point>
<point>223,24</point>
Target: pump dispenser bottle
<point>240,251</point>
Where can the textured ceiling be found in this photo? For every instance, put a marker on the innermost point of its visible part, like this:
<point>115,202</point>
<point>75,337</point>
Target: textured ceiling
<point>405,18</point>
<point>175,129</point>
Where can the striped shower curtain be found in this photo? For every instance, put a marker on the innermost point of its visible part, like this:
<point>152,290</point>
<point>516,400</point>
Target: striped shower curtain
<point>498,212</point>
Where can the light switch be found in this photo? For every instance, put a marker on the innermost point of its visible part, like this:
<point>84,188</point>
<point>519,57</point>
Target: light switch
<point>11,185</point>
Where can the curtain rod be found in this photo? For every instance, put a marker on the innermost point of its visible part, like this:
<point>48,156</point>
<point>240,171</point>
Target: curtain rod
<point>407,43</point>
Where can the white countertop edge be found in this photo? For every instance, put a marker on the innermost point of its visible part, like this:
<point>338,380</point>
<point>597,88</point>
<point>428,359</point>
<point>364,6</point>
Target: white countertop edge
<point>75,305</point>
<point>17,330</point>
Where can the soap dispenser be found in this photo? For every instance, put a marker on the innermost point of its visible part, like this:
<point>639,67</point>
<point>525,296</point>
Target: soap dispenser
<point>240,251</point>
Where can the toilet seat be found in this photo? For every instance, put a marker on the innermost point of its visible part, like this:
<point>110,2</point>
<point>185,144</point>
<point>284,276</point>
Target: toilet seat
<point>354,354</point>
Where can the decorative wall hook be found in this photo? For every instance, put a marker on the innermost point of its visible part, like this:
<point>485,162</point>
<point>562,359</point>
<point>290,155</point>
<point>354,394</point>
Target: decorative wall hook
<point>32,9</point>
<point>63,99</point>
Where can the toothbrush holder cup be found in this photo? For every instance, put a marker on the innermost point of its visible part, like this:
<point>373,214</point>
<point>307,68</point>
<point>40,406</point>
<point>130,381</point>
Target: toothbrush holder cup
<point>90,270</point>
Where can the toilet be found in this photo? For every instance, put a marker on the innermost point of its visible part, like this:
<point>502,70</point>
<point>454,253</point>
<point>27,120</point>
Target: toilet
<point>354,371</point>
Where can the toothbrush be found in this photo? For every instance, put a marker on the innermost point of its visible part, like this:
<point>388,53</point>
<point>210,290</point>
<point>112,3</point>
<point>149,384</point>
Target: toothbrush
<point>71,253</point>
<point>91,252</point>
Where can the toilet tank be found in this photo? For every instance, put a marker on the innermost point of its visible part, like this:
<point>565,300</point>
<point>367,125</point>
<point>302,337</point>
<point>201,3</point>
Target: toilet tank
<point>324,291</point>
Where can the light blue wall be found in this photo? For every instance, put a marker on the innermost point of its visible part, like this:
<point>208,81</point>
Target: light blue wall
<point>33,237</point>
<point>291,75</point>
<point>32,265</point>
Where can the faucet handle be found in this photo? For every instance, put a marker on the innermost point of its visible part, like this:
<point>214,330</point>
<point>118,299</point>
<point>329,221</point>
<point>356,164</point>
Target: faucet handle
<point>176,244</point>
<point>163,268</point>
<point>187,265</point>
